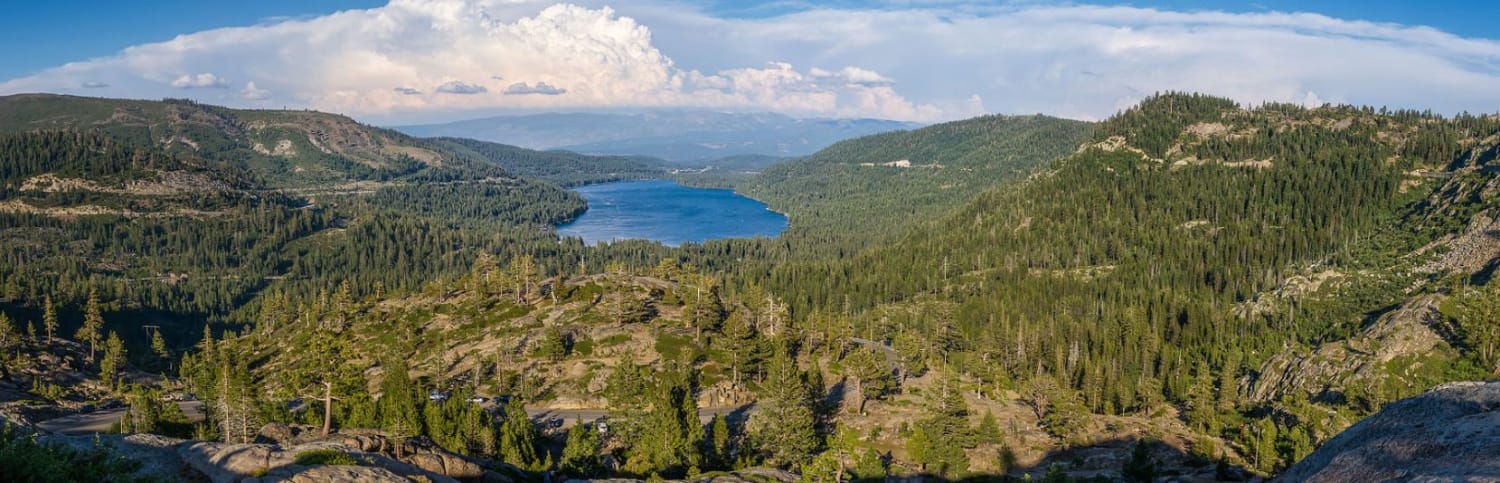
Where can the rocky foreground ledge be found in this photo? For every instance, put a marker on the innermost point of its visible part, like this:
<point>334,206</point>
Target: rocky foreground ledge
<point>376,457</point>
<point>1450,433</point>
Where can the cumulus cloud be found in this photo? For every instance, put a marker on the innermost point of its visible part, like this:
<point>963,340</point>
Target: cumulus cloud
<point>460,87</point>
<point>348,61</point>
<point>194,81</point>
<point>911,61</point>
<point>852,75</point>
<point>542,88</point>
<point>1090,61</point>
<point>253,93</point>
<point>93,85</point>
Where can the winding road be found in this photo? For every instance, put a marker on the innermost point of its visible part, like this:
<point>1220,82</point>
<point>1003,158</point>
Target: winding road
<point>100,421</point>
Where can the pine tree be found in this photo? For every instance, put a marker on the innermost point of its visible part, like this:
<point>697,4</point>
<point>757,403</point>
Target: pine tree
<point>742,342</point>
<point>1296,444</point>
<point>948,413</point>
<point>870,467</point>
<point>93,323</point>
<point>523,274</point>
<point>484,275</point>
<point>704,308</point>
<point>1478,313</point>
<point>580,456</point>
<point>114,359</point>
<point>1264,445</point>
<point>824,468</point>
<point>553,345</point>
<point>398,406</point>
<point>518,438</point>
<point>784,425</point>
<point>234,400</point>
<point>719,441</point>
<point>8,333</point>
<point>670,433</point>
<point>988,431</point>
<point>144,414</point>
<point>1228,393</point>
<point>1201,401</point>
<point>159,347</point>
<point>323,371</point>
<point>49,318</point>
<point>620,302</point>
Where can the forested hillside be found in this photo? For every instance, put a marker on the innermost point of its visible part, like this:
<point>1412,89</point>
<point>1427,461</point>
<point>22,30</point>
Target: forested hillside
<point>1191,288</point>
<point>1185,245</point>
<point>178,212</point>
<point>864,190</point>
<point>559,167</point>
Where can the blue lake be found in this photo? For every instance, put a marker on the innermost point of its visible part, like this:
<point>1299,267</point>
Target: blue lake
<point>669,213</point>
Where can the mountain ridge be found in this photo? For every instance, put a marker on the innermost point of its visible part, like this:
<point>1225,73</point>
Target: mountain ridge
<point>677,136</point>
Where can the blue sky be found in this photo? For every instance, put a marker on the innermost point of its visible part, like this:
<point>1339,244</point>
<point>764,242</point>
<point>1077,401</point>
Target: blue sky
<point>1471,18</point>
<point>923,60</point>
<point>41,34</point>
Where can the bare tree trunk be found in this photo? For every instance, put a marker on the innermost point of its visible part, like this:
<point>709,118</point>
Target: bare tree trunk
<point>327,407</point>
<point>859,393</point>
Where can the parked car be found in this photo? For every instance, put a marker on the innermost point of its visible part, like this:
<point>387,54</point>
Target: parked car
<point>436,395</point>
<point>476,399</point>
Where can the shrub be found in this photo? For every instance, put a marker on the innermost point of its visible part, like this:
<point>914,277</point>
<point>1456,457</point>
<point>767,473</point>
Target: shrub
<point>325,457</point>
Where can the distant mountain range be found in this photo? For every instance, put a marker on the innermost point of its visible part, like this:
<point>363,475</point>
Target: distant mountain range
<point>678,136</point>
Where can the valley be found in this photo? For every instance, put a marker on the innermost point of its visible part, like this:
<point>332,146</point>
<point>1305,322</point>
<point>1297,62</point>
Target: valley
<point>1192,288</point>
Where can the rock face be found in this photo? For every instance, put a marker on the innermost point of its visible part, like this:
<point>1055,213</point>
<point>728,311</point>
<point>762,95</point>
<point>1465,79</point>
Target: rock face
<point>1451,433</point>
<point>1414,328</point>
<point>157,454</point>
<point>225,463</point>
<point>753,475</point>
<point>332,474</point>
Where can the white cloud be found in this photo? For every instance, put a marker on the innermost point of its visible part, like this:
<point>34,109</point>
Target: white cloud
<point>853,75</point>
<point>348,61</point>
<point>194,81</point>
<point>916,62</point>
<point>1089,61</point>
<point>520,88</point>
<point>93,85</point>
<point>460,87</point>
<point>253,93</point>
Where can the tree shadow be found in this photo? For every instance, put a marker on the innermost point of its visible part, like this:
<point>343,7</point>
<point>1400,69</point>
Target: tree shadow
<point>1110,460</point>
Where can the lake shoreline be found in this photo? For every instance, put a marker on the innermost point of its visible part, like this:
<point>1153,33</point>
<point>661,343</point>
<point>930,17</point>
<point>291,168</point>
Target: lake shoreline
<point>667,212</point>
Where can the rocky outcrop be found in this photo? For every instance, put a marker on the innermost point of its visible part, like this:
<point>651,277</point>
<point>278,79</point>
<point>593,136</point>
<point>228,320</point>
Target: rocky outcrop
<point>224,462</point>
<point>1450,433</point>
<point>156,454</point>
<point>227,463</point>
<point>327,474</point>
<point>752,475</point>
<point>277,433</point>
<point>1415,328</point>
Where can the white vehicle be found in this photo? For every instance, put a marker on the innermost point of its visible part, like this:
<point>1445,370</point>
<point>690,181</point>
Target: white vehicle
<point>475,399</point>
<point>436,395</point>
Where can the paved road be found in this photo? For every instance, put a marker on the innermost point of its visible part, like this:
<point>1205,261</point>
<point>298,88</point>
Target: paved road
<point>100,421</point>
<point>569,416</point>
